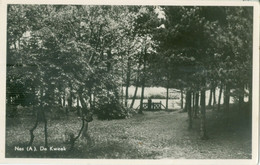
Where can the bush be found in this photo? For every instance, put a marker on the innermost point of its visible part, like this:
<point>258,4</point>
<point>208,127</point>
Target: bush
<point>110,108</point>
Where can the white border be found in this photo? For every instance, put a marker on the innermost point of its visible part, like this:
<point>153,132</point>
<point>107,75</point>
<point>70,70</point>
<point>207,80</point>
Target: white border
<point>255,116</point>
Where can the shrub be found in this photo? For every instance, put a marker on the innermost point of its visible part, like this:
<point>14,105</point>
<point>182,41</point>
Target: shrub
<point>110,108</point>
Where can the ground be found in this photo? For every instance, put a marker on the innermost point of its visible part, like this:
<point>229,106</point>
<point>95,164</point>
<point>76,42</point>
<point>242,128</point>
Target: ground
<point>153,135</point>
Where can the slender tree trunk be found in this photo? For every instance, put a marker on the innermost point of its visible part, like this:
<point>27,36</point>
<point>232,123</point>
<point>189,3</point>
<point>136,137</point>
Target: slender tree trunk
<point>134,97</point>
<point>40,115</point>
<point>219,96</point>
<point>203,133</point>
<point>185,106</point>
<point>181,98</point>
<point>127,81</point>
<point>126,95</point>
<point>188,107</point>
<point>210,97</point>
<point>63,101</point>
<point>60,100</point>
<point>85,110</point>
<point>143,84</point>
<point>226,101</point>
<point>78,107</point>
<point>70,97</point>
<point>34,102</point>
<point>214,97</point>
<point>85,130</point>
<point>193,102</point>
<point>43,117</point>
<point>136,87</point>
<point>122,89</point>
<point>241,97</point>
<point>196,105</point>
<point>94,100</point>
<point>90,97</point>
<point>142,97</point>
<point>85,133</point>
<point>82,101</point>
<point>227,98</point>
<point>45,130</point>
<point>167,95</point>
<point>33,128</point>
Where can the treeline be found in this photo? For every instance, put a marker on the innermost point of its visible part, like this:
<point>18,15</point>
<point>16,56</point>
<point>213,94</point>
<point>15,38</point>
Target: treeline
<point>205,48</point>
<point>60,53</point>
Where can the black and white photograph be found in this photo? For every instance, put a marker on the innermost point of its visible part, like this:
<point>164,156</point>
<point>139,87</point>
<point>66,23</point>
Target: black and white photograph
<point>131,82</point>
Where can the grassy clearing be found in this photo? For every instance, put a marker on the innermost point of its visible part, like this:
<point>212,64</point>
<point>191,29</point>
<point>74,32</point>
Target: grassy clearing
<point>154,135</point>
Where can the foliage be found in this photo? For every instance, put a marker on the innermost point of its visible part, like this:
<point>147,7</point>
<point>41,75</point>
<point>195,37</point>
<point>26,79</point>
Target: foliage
<point>110,108</point>
<point>59,53</point>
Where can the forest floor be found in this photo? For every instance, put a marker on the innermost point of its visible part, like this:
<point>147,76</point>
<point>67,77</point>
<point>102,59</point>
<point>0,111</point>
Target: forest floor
<point>153,135</point>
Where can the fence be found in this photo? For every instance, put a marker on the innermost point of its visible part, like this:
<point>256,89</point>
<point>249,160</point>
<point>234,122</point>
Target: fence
<point>151,106</point>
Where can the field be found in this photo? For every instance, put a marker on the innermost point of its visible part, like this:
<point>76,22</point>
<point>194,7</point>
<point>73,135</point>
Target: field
<point>153,135</point>
<point>159,94</point>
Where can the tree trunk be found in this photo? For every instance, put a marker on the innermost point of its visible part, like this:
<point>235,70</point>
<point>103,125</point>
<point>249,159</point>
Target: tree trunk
<point>241,98</point>
<point>81,99</point>
<point>214,97</point>
<point>40,115</point>
<point>63,101</point>
<point>196,105</point>
<point>203,133</point>
<point>90,97</point>
<point>94,100</point>
<point>226,98</point>
<point>78,107</point>
<point>142,97</point>
<point>188,107</point>
<point>185,106</point>
<point>45,130</point>
<point>73,139</point>
<point>219,96</point>
<point>181,98</point>
<point>70,101</point>
<point>226,101</point>
<point>60,100</point>
<point>167,95</point>
<point>85,134</point>
<point>33,128</point>
<point>43,118</point>
<point>136,86</point>
<point>193,102</point>
<point>210,97</point>
<point>134,97</point>
<point>127,81</point>
<point>143,85</point>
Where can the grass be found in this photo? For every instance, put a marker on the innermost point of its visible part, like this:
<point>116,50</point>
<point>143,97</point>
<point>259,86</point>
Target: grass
<point>154,135</point>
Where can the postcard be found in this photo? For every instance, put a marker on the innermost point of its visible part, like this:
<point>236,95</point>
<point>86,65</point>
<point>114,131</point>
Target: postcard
<point>112,82</point>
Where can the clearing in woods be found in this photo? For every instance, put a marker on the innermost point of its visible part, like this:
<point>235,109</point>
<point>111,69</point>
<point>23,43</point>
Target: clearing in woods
<point>161,134</point>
